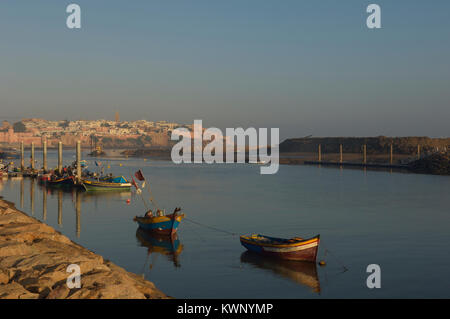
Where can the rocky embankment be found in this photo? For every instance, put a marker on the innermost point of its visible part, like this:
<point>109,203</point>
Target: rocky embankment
<point>438,164</point>
<point>34,260</point>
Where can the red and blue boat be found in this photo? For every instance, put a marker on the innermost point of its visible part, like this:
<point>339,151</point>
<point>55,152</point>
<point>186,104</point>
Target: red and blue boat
<point>295,248</point>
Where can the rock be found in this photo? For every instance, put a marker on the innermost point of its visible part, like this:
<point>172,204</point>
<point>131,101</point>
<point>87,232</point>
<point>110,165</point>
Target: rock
<point>34,260</point>
<point>438,164</point>
<point>60,292</point>
<point>15,291</point>
<point>14,249</point>
<point>4,277</point>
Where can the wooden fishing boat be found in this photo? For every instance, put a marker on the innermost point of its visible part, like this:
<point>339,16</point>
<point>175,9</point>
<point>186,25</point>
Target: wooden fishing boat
<point>165,225</point>
<point>112,184</point>
<point>62,182</point>
<point>290,249</point>
<point>44,178</point>
<point>30,173</point>
<point>15,174</point>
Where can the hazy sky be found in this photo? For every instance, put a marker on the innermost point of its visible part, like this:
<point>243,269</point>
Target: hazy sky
<point>307,67</point>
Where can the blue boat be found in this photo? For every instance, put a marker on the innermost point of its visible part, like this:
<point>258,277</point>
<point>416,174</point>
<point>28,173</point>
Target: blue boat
<point>165,224</point>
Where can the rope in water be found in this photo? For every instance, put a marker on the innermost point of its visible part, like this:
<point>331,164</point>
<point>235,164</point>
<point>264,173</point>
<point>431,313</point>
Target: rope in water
<point>335,258</point>
<point>211,227</point>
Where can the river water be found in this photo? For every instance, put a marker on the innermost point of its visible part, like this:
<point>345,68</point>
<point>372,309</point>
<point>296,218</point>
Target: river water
<point>398,221</point>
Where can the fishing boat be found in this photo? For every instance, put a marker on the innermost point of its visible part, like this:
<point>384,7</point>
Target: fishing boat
<point>44,178</point>
<point>119,183</point>
<point>161,224</point>
<point>15,174</point>
<point>68,181</point>
<point>290,249</point>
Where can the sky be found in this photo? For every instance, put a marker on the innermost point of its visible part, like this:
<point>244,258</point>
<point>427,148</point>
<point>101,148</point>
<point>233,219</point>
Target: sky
<point>308,67</point>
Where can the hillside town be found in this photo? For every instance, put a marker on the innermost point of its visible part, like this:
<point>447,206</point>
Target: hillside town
<point>109,134</point>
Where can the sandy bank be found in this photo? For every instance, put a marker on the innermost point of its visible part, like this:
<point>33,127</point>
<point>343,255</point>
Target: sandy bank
<point>34,259</point>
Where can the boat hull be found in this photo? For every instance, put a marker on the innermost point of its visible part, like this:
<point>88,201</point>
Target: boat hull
<point>62,182</point>
<point>305,250</point>
<point>164,225</point>
<point>105,186</point>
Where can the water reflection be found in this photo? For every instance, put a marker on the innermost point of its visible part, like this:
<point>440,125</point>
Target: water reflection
<point>78,213</point>
<point>168,246</point>
<point>78,197</point>
<point>22,191</point>
<point>44,204</point>
<point>303,273</point>
<point>60,207</point>
<point>100,197</point>
<point>32,196</point>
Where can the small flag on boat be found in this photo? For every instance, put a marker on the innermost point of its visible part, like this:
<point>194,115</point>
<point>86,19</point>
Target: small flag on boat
<point>139,175</point>
<point>98,163</point>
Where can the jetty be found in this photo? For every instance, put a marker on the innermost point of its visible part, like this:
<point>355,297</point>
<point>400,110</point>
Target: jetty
<point>351,164</point>
<point>34,261</point>
<point>414,154</point>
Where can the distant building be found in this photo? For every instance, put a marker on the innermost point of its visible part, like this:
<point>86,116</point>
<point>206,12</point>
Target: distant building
<point>5,126</point>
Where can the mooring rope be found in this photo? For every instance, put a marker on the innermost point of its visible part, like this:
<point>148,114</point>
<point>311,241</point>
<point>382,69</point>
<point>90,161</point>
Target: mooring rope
<point>152,200</point>
<point>211,227</point>
<point>334,256</point>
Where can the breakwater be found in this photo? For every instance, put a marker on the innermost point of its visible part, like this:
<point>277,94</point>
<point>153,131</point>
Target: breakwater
<point>374,145</point>
<point>34,259</point>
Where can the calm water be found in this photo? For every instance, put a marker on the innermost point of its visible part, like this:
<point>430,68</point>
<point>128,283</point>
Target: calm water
<point>399,221</point>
